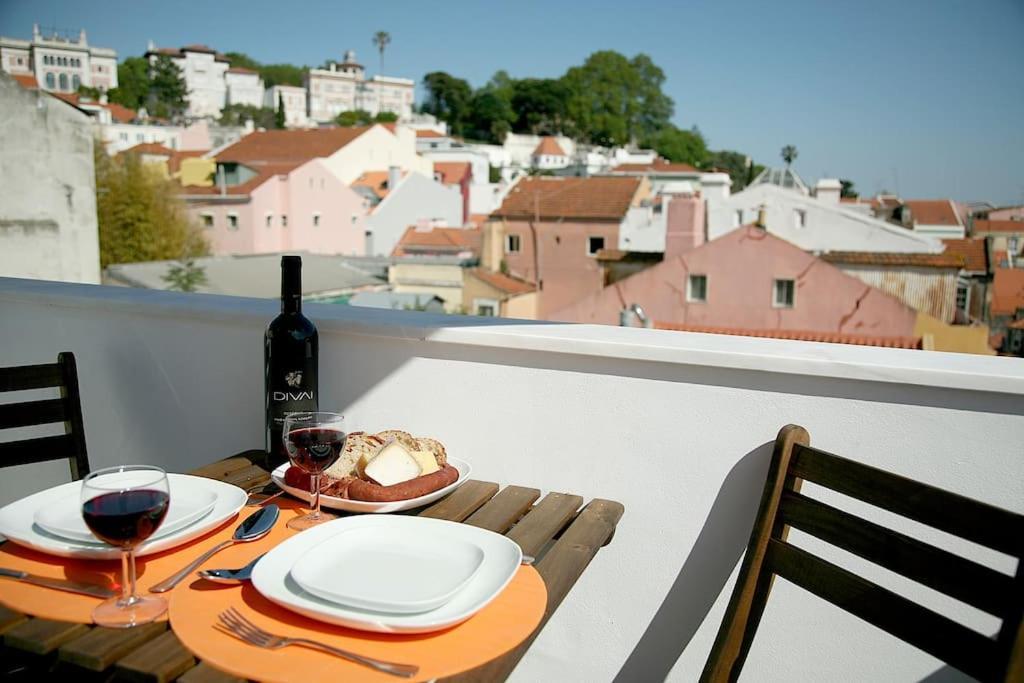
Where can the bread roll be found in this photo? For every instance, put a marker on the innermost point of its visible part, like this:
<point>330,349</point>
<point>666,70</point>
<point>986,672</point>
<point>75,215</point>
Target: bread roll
<point>356,445</point>
<point>435,447</point>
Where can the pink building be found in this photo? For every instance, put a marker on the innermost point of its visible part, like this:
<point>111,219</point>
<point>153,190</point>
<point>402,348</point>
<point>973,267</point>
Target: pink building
<point>753,280</point>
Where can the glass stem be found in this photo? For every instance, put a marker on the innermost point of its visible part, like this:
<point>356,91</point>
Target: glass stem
<point>128,576</point>
<point>315,480</point>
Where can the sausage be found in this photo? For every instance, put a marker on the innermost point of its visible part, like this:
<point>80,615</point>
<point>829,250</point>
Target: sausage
<point>414,488</point>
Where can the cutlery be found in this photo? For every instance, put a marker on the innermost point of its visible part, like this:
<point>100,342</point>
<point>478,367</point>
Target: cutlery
<point>230,576</point>
<point>233,623</point>
<point>256,526</point>
<point>263,494</point>
<point>61,584</point>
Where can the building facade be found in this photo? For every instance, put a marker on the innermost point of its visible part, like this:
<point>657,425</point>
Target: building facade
<point>58,63</point>
<point>244,86</point>
<point>293,99</point>
<point>204,71</point>
<point>344,87</point>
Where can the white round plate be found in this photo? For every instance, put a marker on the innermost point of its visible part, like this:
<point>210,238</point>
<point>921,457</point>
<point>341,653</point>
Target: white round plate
<point>501,559</point>
<point>16,521</point>
<point>189,503</point>
<point>365,506</point>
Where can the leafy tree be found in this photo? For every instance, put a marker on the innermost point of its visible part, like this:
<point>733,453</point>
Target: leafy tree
<point>140,216</point>
<point>740,167</point>
<point>279,121</point>
<point>789,154</point>
<point>242,60</point>
<point>448,98</point>
<point>356,117</point>
<point>237,114</point>
<point>381,39</point>
<point>283,74</point>
<point>847,189</point>
<point>494,174</point>
<point>91,93</point>
<point>185,276</point>
<point>490,116</point>
<point>685,146</point>
<point>385,117</point>
<point>167,90</point>
<point>132,83</point>
<point>540,105</point>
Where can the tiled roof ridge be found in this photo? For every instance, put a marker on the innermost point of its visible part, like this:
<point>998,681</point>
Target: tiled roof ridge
<point>800,335</point>
<point>924,260</point>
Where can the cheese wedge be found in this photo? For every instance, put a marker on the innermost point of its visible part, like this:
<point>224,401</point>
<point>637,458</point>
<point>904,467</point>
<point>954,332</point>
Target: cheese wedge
<point>393,465</point>
<point>427,461</point>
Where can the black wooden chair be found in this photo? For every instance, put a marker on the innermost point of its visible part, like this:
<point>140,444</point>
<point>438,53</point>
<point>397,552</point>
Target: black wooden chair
<point>768,554</point>
<point>67,409</point>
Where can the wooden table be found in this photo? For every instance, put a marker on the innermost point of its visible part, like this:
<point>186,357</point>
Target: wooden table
<point>562,533</point>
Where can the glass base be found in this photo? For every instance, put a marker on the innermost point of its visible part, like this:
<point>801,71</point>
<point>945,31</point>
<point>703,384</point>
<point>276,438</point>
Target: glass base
<point>311,520</point>
<point>116,613</point>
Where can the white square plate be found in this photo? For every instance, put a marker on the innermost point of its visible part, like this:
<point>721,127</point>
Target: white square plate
<point>501,558</point>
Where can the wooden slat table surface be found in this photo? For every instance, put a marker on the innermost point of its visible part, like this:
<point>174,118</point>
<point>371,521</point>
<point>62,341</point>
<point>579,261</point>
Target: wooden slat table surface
<point>559,530</point>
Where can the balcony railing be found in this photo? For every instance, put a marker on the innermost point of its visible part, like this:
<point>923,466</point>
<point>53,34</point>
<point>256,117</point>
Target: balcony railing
<point>676,426</point>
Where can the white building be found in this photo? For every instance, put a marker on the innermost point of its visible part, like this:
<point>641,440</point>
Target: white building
<point>344,87</point>
<point>484,196</point>
<point>58,63</point>
<point>549,155</point>
<point>294,101</point>
<point>244,86</point>
<point>204,70</point>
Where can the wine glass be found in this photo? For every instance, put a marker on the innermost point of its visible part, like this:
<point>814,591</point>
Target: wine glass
<point>123,506</point>
<point>314,442</point>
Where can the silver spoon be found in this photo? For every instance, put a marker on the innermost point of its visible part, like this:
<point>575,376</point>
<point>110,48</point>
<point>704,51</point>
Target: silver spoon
<point>230,576</point>
<point>256,526</point>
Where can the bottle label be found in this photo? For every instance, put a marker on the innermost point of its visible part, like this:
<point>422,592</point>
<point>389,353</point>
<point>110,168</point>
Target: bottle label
<point>291,397</point>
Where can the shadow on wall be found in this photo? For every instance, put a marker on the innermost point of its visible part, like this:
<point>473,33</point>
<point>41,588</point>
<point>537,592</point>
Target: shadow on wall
<point>705,572</point>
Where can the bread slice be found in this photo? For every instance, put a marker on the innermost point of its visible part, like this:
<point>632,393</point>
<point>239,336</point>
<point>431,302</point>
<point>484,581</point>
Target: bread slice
<point>435,447</point>
<point>356,445</point>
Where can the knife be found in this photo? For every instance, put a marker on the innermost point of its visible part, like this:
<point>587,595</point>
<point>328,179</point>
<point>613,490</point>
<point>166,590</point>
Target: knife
<point>61,584</point>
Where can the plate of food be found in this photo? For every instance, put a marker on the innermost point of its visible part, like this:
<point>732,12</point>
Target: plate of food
<point>389,471</point>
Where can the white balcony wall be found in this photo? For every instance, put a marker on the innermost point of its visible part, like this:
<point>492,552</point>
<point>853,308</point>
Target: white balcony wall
<point>675,426</point>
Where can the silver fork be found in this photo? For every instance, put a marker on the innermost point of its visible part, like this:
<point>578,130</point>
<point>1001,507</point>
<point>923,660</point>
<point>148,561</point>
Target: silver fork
<point>234,623</point>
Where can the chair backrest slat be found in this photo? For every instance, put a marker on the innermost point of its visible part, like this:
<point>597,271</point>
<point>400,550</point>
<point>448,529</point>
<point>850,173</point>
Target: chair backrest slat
<point>970,519</point>
<point>41,449</point>
<point>951,574</point>
<point>32,413</point>
<point>967,650</point>
<point>25,377</point>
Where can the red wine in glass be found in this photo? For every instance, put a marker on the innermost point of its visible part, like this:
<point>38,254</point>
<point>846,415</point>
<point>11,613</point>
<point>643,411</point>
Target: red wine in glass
<point>314,449</point>
<point>126,518</point>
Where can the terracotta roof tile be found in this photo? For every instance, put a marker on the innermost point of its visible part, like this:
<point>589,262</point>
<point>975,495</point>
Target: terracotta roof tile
<point>549,146</point>
<point>933,212</point>
<point>505,283</point>
<point>376,181</point>
<point>801,335</point>
<point>429,134</point>
<point>1007,291</point>
<point>438,240</point>
<point>264,173</point>
<point>241,70</point>
<point>452,172</point>
<point>595,198</point>
<point>659,165</point>
<point>874,258</point>
<point>118,112</point>
<point>290,146</point>
<point>27,81</point>
<point>973,250</point>
<point>985,226</point>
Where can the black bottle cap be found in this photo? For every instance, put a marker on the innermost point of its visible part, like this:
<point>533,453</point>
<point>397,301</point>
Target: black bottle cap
<point>291,276</point>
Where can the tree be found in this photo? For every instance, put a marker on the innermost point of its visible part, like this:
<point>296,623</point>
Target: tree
<point>356,117</point>
<point>539,105</point>
<point>789,154</point>
<point>448,99</point>
<point>385,117</point>
<point>132,83</point>
<point>381,39</point>
<point>185,276</point>
<point>279,121</point>
<point>167,90</point>
<point>237,114</point>
<point>490,116</point>
<point>140,216</point>
<point>847,189</point>
<point>90,93</point>
<point>740,167</point>
<point>283,74</point>
<point>685,146</point>
<point>242,60</point>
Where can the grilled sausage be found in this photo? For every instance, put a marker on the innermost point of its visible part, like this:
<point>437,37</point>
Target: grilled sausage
<point>414,488</point>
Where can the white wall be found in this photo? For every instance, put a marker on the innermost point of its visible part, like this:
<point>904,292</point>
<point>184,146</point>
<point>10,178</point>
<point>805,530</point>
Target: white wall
<point>416,198</point>
<point>675,426</point>
<point>376,150</point>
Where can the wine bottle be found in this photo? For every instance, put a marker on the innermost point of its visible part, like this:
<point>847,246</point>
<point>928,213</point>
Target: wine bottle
<point>290,351</point>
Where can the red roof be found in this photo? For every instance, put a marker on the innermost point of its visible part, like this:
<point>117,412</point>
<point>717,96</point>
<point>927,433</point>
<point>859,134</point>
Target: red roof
<point>659,165</point>
<point>985,226</point>
<point>801,335</point>
<point>150,148</point>
<point>973,250</point>
<point>118,112</point>
<point>376,181</point>
<point>241,70</point>
<point>429,134</point>
<point>1007,291</point>
<point>437,241</point>
<point>290,146</point>
<point>505,283</point>
<point>933,212</point>
<point>264,173</point>
<point>27,81</point>
<point>877,258</point>
<point>453,172</point>
<point>550,147</point>
<point>595,198</point>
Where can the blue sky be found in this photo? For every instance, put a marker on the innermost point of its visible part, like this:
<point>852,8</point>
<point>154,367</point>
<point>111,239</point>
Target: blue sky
<point>926,98</point>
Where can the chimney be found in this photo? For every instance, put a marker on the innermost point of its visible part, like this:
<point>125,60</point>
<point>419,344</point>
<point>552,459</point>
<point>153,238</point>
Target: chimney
<point>150,46</point>
<point>492,245</point>
<point>394,175</point>
<point>684,224</point>
<point>715,186</point>
<point>762,217</point>
<point>36,37</point>
<point>828,190</point>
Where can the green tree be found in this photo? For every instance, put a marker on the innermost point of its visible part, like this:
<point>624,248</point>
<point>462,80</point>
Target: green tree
<point>356,117</point>
<point>381,39</point>
<point>132,83</point>
<point>283,74</point>
<point>185,276</point>
<point>448,99</point>
<point>237,114</point>
<point>740,167</point>
<point>685,146</point>
<point>385,117</point>
<point>140,216</point>
<point>90,93</point>
<point>490,116</point>
<point>167,89</point>
<point>846,189</point>
<point>242,60</point>
<point>279,121</point>
<point>789,154</point>
<point>540,105</point>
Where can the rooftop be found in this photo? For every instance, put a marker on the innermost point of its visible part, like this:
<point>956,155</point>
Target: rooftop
<point>944,260</point>
<point>549,146</point>
<point>1007,291</point>
<point>453,172</point>
<point>782,177</point>
<point>973,250</point>
<point>933,211</point>
<point>417,240</point>
<point>801,335</point>
<point>290,146</point>
<point>657,166</point>
<point>596,198</point>
<point>983,227</point>
<point>506,283</point>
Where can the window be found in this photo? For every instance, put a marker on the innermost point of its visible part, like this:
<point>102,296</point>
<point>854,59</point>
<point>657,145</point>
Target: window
<point>50,82</point>
<point>697,289</point>
<point>316,220</point>
<point>783,293</point>
<point>594,245</point>
<point>63,81</point>
<point>963,296</point>
<point>511,244</point>
<point>233,221</point>
<point>284,221</point>
<point>737,219</point>
<point>799,218</point>
<point>270,219</point>
<point>123,137</point>
<point>207,220</point>
<point>488,307</point>
<point>75,82</point>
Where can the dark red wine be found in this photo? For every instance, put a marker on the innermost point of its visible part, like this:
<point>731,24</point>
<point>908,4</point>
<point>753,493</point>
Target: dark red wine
<point>290,350</point>
<point>124,518</point>
<point>314,449</point>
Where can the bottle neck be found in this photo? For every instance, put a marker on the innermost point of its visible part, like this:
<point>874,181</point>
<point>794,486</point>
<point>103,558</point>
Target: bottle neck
<point>291,304</point>
<point>291,289</point>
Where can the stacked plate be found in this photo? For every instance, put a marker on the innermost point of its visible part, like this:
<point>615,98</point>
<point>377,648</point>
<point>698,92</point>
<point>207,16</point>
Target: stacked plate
<point>390,574</point>
<point>51,521</point>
